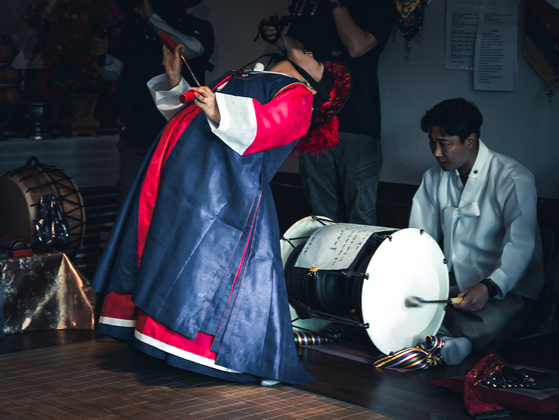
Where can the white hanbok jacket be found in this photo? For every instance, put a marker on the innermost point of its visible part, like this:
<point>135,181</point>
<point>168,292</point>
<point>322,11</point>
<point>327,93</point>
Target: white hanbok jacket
<point>490,225</point>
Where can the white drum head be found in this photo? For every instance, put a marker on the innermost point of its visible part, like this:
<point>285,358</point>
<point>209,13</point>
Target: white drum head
<point>299,233</point>
<point>411,264</point>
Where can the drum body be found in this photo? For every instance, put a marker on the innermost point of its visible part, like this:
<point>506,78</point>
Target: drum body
<point>22,190</point>
<point>390,266</point>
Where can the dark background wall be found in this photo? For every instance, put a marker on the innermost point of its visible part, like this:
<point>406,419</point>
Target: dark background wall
<point>521,124</point>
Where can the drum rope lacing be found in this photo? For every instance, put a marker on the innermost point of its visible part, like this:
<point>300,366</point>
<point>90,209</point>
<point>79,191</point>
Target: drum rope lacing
<point>318,219</point>
<point>56,183</point>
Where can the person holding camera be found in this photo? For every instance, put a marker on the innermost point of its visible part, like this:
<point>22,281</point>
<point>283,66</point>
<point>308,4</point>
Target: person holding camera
<point>341,183</point>
<point>137,55</point>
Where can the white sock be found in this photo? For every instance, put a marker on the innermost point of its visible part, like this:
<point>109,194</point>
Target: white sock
<point>455,350</point>
<point>269,382</point>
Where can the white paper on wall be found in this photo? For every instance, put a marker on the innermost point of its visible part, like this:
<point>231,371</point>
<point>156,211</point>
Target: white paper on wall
<point>496,46</point>
<point>461,29</point>
<point>462,17</point>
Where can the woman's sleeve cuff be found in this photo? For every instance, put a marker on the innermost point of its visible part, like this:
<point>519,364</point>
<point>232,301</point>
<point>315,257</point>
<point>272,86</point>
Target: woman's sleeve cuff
<point>167,100</point>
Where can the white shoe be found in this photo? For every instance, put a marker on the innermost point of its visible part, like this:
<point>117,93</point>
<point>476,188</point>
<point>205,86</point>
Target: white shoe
<point>269,382</point>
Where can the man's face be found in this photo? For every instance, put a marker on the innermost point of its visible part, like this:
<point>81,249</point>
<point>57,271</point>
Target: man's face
<point>306,61</point>
<point>450,152</point>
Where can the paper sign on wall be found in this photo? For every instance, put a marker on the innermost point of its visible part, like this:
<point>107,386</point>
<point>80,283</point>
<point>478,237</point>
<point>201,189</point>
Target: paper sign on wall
<point>481,35</point>
<point>496,47</point>
<point>461,30</point>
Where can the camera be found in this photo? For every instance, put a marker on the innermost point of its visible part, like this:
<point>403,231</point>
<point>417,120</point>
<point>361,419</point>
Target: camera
<point>296,10</point>
<point>279,22</point>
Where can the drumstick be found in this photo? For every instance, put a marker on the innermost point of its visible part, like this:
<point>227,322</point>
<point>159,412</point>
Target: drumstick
<point>417,302</point>
<point>170,42</point>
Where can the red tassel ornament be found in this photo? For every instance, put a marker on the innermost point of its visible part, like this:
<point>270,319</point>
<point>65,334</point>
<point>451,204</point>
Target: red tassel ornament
<point>323,132</point>
<point>318,140</point>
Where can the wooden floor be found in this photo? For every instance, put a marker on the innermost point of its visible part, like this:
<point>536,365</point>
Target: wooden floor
<point>104,380</point>
<point>409,395</point>
<point>406,396</point>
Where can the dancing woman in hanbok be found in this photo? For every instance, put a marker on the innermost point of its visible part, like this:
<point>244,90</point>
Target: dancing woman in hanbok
<point>192,271</point>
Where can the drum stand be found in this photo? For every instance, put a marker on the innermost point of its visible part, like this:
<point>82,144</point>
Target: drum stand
<point>313,313</point>
<point>326,317</point>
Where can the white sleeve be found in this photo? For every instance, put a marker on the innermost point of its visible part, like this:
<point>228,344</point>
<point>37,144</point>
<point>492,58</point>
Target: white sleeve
<point>193,46</point>
<point>112,69</point>
<point>424,211</point>
<point>247,126</point>
<point>521,223</point>
<point>238,125</point>
<point>167,100</point>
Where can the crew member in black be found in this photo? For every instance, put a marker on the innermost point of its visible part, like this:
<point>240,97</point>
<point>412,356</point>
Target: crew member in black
<point>342,182</point>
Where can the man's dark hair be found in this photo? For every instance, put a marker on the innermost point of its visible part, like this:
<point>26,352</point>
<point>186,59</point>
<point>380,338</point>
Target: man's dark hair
<point>455,117</point>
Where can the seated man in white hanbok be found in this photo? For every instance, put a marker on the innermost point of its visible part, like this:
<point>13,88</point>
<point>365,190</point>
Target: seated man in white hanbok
<point>483,206</point>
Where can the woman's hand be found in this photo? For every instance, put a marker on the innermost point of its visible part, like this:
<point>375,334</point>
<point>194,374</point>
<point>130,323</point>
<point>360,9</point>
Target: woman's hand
<point>205,99</point>
<point>173,64</point>
<point>146,11</point>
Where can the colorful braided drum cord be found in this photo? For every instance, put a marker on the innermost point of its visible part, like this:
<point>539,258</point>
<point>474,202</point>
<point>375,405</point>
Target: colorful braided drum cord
<point>421,357</point>
<point>324,336</point>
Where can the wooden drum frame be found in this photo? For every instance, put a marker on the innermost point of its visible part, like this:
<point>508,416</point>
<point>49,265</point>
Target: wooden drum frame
<point>22,190</point>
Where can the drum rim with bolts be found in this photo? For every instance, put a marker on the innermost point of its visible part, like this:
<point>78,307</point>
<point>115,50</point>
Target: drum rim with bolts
<point>388,337</point>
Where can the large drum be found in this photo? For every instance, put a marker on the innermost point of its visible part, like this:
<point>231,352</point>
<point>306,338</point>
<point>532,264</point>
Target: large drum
<point>333,270</point>
<point>22,190</point>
